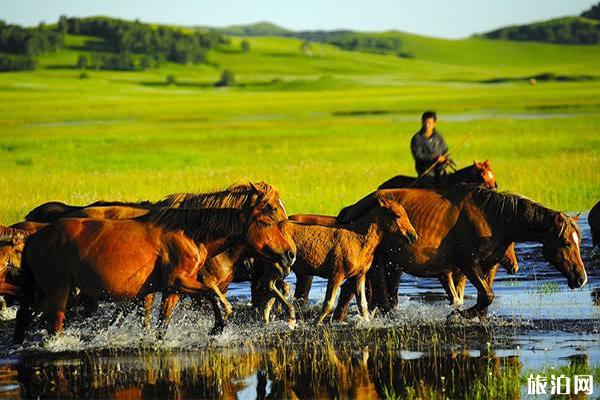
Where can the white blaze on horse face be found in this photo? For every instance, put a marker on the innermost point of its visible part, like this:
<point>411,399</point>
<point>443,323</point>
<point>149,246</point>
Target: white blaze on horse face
<point>490,175</point>
<point>282,207</point>
<point>576,240</point>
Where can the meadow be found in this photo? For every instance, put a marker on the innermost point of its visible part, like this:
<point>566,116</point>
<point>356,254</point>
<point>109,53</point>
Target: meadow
<point>324,127</point>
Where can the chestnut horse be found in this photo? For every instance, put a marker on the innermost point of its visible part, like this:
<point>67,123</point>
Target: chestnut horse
<point>469,228</point>
<point>227,266</point>
<point>128,259</point>
<point>480,173</point>
<point>343,252</point>
<point>594,221</point>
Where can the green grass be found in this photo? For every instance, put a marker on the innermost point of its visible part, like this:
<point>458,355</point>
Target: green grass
<point>126,135</point>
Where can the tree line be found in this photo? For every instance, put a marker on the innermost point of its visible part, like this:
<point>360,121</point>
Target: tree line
<point>19,46</point>
<point>353,41</point>
<point>569,30</point>
<point>134,37</point>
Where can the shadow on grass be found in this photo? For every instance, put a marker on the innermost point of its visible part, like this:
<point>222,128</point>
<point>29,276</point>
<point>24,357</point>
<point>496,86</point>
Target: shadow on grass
<point>544,77</point>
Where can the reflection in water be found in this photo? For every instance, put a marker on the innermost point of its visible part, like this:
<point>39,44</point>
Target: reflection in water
<point>320,372</point>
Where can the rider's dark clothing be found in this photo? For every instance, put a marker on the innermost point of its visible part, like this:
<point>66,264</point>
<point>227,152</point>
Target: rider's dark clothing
<point>426,151</point>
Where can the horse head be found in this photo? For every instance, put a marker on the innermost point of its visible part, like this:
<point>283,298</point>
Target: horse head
<point>485,173</point>
<point>264,235</point>
<point>397,220</point>
<point>268,200</point>
<point>561,249</point>
<point>11,250</point>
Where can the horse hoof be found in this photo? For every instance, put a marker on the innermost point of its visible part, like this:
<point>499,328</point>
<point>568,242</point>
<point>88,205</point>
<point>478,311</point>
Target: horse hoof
<point>216,330</point>
<point>454,317</point>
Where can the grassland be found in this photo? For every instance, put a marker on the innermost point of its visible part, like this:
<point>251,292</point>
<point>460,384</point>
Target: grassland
<point>324,127</point>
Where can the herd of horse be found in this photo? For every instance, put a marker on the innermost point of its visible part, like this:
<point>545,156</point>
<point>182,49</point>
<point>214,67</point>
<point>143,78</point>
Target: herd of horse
<point>63,258</point>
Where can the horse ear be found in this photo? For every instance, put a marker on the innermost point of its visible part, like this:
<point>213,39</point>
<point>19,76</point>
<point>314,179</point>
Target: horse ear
<point>576,218</point>
<point>487,163</point>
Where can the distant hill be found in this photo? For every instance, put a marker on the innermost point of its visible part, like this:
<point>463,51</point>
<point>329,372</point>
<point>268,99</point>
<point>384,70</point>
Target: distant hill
<point>255,29</point>
<point>584,29</point>
<point>567,30</point>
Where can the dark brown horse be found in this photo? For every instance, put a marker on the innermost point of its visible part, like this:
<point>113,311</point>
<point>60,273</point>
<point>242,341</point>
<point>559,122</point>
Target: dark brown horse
<point>169,248</point>
<point>480,173</point>
<point>470,228</point>
<point>594,221</point>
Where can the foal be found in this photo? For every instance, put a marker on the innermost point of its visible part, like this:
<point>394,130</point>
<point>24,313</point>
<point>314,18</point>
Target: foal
<point>344,252</point>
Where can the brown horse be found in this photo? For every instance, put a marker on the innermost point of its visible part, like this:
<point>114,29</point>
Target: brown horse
<point>227,265</point>
<point>480,173</point>
<point>594,221</point>
<point>453,281</point>
<point>471,228</point>
<point>170,247</point>
<point>346,251</point>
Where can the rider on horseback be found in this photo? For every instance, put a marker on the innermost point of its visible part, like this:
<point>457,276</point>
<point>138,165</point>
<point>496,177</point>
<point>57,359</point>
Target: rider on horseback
<point>429,150</point>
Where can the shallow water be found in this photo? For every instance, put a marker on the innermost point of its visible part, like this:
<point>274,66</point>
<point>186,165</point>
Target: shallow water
<point>536,322</point>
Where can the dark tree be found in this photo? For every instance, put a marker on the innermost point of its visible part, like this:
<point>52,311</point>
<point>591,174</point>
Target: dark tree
<point>245,46</point>
<point>593,12</point>
<point>82,62</point>
<point>227,79</point>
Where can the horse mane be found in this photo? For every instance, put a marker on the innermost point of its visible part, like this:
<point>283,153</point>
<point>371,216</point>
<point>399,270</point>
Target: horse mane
<point>7,233</point>
<point>512,208</point>
<point>238,196</point>
<point>198,224</point>
<point>137,204</point>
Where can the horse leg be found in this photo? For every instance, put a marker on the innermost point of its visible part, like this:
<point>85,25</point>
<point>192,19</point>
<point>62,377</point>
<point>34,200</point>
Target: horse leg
<point>346,295</point>
<point>269,302</point>
<point>148,301</point>
<point>55,308</point>
<point>485,296</point>
<point>303,285</point>
<point>393,285</point>
<point>218,313</point>
<point>489,277</point>
<point>448,285</point>
<point>286,304</point>
<point>192,286</point>
<point>361,296</point>
<point>2,305</point>
<point>169,301</point>
<point>332,288</point>
<point>460,282</point>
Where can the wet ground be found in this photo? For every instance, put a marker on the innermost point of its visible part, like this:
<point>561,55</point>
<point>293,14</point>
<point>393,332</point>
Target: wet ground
<point>536,323</point>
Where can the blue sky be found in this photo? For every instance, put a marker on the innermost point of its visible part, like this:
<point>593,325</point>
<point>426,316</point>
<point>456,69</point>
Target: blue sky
<point>441,18</point>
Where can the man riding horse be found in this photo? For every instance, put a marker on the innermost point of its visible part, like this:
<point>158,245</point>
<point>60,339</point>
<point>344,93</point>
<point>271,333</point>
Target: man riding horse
<point>429,150</point>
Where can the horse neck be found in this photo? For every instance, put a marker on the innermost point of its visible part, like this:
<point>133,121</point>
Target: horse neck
<point>462,175</point>
<point>522,228</point>
<point>214,227</point>
<point>369,229</point>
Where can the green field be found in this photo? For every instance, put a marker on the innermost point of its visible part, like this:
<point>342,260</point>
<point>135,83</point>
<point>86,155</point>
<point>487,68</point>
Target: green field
<point>325,128</point>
